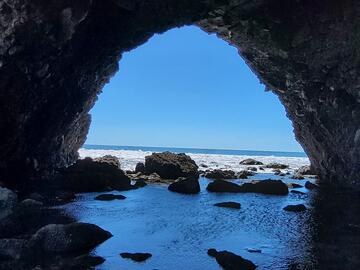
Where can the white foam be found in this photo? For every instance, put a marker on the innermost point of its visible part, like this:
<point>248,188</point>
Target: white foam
<point>129,159</point>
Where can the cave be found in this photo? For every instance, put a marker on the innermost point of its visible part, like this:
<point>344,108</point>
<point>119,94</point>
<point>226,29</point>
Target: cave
<point>55,58</point>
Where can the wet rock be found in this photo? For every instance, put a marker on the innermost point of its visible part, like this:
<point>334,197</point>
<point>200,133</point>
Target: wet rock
<point>230,261</point>
<point>109,197</point>
<point>74,238</point>
<point>63,196</point>
<point>171,166</point>
<point>253,250</point>
<point>88,175</point>
<point>185,186</point>
<point>294,185</point>
<point>234,205</point>
<point>140,183</point>
<point>295,208</point>
<point>204,165</point>
<point>250,161</point>
<point>277,172</point>
<point>109,159</point>
<point>244,174</point>
<point>310,185</point>
<point>305,170</point>
<point>12,249</point>
<point>140,167</point>
<point>137,257</point>
<point>8,200</point>
<point>273,187</point>
<point>275,165</point>
<point>220,174</point>
<point>86,261</point>
<point>253,169</point>
<point>223,186</point>
<point>297,192</point>
<point>282,174</point>
<point>297,176</point>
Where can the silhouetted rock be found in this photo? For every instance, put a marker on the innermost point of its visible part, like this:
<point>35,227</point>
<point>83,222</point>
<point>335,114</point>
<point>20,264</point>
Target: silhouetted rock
<point>275,165</point>
<point>234,205</point>
<point>230,261</point>
<point>109,197</point>
<point>88,175</point>
<point>223,186</point>
<point>185,186</point>
<point>137,257</point>
<point>140,167</point>
<point>140,183</point>
<point>171,166</point>
<point>204,165</point>
<point>8,200</point>
<point>220,174</point>
<point>310,185</point>
<point>85,261</point>
<point>12,249</point>
<point>295,208</point>
<point>274,187</point>
<point>250,161</point>
<point>244,174</point>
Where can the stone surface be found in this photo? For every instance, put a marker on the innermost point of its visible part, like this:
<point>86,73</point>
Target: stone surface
<point>310,185</point>
<point>109,159</point>
<point>250,161</point>
<point>273,187</point>
<point>230,261</point>
<point>220,174</point>
<point>244,174</point>
<point>185,186</point>
<point>234,205</point>
<point>137,257</point>
<point>8,200</point>
<point>140,167</point>
<point>295,208</point>
<point>223,186</point>
<point>109,197</point>
<point>305,170</point>
<point>171,166</point>
<point>277,166</point>
<point>305,53</point>
<point>12,248</point>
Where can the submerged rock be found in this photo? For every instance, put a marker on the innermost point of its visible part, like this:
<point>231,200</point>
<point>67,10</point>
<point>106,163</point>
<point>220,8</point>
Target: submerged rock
<point>269,186</point>
<point>185,186</point>
<point>250,161</point>
<point>8,200</point>
<point>244,174</point>
<point>137,257</point>
<point>294,185</point>
<point>234,205</point>
<point>295,208</point>
<point>171,166</point>
<point>220,174</point>
<point>88,175</point>
<point>223,186</point>
<point>310,185</point>
<point>230,261</point>
<point>109,197</point>
<point>275,165</point>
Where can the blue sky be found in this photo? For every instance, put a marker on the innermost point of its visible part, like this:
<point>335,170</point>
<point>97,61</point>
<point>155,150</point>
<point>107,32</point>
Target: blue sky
<point>186,88</point>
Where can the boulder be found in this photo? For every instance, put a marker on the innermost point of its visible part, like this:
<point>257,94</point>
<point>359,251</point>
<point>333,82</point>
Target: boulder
<point>185,186</point>
<point>109,159</point>
<point>234,205</point>
<point>73,238</point>
<point>223,186</point>
<point>230,261</point>
<point>305,170</point>
<point>253,169</point>
<point>294,185</point>
<point>204,165</point>
<point>88,175</point>
<point>244,174</point>
<point>30,203</point>
<point>109,197</point>
<point>12,249</point>
<point>8,200</point>
<point>295,208</point>
<point>171,166</point>
<point>220,174</point>
<point>297,176</point>
<point>310,185</point>
<point>269,186</point>
<point>275,165</point>
<point>140,167</point>
<point>86,261</point>
<point>250,161</point>
<point>137,257</point>
<point>140,183</point>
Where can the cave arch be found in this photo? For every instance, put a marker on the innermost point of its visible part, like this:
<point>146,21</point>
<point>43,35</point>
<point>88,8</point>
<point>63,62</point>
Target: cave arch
<point>56,57</point>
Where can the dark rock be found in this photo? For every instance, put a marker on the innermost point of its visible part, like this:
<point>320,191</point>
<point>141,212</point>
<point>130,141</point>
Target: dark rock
<point>109,197</point>
<point>223,186</point>
<point>234,205</point>
<point>62,196</point>
<point>111,160</point>
<point>250,161</point>
<point>305,170</point>
<point>220,174</point>
<point>204,165</point>
<point>310,185</point>
<point>137,257</point>
<point>282,174</point>
<point>297,176</point>
<point>244,174</point>
<point>294,185</point>
<point>74,238</point>
<point>295,208</point>
<point>140,167</point>
<point>274,187</point>
<point>297,192</point>
<point>276,166</point>
<point>86,261</point>
<point>171,166</point>
<point>37,197</point>
<point>253,169</point>
<point>88,175</point>
<point>12,249</point>
<point>185,186</point>
<point>8,200</point>
<point>253,250</point>
<point>277,172</point>
<point>230,261</point>
<point>140,183</point>
<point>30,203</point>
<point>129,172</point>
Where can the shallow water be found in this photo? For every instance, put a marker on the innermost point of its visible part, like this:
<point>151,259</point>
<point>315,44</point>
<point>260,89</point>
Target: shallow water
<point>179,229</point>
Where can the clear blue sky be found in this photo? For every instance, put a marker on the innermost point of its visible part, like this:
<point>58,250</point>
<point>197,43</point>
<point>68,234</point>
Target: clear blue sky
<point>186,88</point>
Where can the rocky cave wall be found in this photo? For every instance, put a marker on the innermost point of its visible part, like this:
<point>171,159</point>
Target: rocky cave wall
<point>55,57</point>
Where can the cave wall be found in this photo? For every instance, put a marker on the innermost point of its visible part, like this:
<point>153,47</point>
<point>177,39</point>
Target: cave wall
<point>56,56</point>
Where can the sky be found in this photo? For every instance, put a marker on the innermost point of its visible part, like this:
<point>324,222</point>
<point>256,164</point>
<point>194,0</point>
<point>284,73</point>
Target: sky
<point>186,88</point>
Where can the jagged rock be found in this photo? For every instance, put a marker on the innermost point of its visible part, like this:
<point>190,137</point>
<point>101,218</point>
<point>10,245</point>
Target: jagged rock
<point>310,185</point>
<point>223,186</point>
<point>305,170</point>
<point>8,200</point>
<point>74,238</point>
<point>250,161</point>
<point>137,257</point>
<point>244,174</point>
<point>230,261</point>
<point>220,174</point>
<point>234,205</point>
<point>185,186</point>
<point>109,159</point>
<point>88,175</point>
<point>276,166</point>
<point>109,197</point>
<point>274,187</point>
<point>295,208</point>
<point>140,167</point>
<point>171,166</point>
